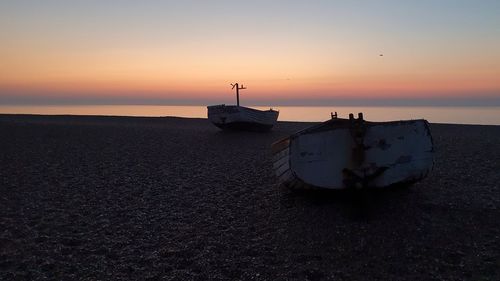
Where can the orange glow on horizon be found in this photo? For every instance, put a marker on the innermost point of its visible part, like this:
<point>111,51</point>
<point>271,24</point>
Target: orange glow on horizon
<point>189,73</point>
<point>363,87</point>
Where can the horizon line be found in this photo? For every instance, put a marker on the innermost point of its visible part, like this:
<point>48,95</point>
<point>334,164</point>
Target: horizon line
<point>438,102</point>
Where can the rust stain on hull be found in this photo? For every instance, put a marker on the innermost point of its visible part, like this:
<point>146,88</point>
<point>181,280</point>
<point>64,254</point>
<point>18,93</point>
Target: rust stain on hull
<point>354,153</point>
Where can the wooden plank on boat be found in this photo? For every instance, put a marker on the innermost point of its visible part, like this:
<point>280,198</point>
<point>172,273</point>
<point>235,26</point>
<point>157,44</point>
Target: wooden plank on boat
<point>280,145</point>
<point>285,176</point>
<point>285,153</point>
<point>281,162</point>
<point>283,168</point>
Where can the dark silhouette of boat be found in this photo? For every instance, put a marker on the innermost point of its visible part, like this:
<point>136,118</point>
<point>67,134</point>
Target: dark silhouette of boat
<point>236,117</point>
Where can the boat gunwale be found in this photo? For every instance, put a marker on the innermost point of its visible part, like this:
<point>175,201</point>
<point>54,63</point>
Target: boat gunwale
<point>244,108</point>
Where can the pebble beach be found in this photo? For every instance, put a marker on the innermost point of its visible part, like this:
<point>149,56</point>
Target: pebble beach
<point>131,198</point>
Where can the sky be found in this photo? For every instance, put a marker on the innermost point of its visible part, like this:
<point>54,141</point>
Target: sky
<point>284,52</point>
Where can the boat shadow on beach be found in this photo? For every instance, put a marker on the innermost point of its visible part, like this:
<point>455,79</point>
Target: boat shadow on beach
<point>355,204</point>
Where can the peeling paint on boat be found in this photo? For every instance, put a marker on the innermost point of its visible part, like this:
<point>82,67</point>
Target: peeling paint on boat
<point>353,153</point>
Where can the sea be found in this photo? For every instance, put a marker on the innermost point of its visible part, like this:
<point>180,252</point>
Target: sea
<point>481,115</point>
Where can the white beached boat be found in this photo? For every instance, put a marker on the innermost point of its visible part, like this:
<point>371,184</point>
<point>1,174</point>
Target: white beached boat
<point>241,118</point>
<point>353,153</point>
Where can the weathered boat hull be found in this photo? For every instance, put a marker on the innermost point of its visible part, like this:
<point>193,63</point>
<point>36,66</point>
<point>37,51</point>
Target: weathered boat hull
<point>232,117</point>
<point>343,153</point>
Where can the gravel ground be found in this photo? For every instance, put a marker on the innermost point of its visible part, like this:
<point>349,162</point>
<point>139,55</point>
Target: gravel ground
<point>122,198</point>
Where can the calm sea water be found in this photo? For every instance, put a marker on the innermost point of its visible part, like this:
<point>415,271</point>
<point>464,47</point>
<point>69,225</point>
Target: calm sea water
<point>458,115</point>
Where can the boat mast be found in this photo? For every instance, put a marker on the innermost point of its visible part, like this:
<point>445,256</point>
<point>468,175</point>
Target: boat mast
<point>238,88</point>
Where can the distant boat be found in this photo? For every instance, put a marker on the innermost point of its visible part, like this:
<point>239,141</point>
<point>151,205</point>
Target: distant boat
<point>236,117</point>
<point>354,153</point>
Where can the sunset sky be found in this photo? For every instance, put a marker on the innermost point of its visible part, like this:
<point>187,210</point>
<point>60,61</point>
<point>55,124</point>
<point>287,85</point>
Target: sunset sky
<point>285,52</point>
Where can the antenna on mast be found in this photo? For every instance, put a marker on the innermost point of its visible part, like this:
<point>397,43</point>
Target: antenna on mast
<point>238,88</point>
